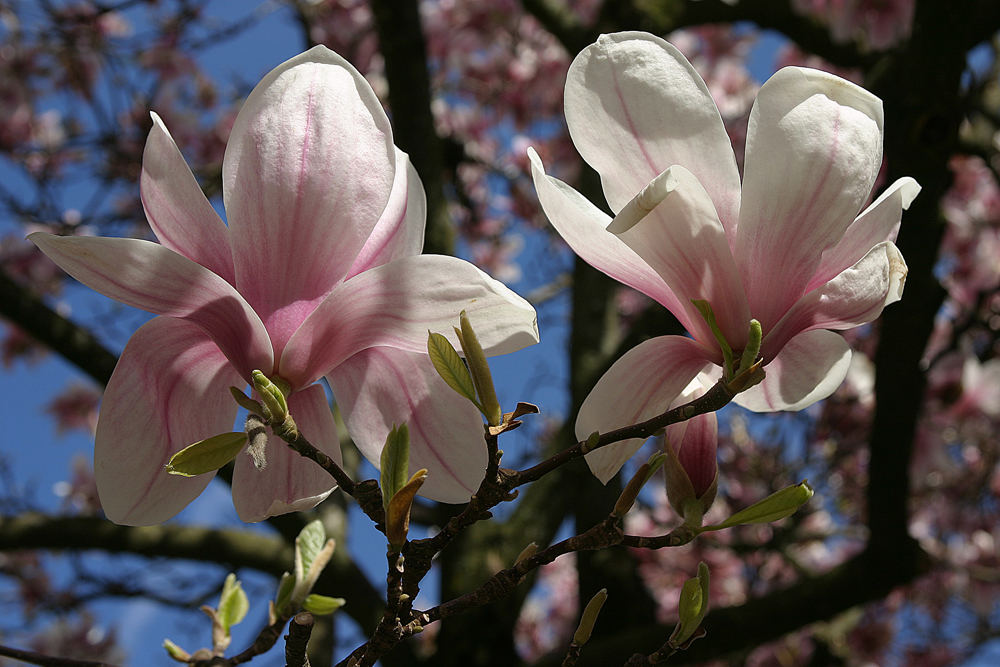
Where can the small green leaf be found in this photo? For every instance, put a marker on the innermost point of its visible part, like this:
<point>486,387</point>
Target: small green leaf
<point>321,605</point>
<point>394,462</point>
<point>479,368</point>
<point>233,603</point>
<point>285,588</point>
<point>206,455</point>
<point>309,543</point>
<point>776,506</point>
<point>450,366</point>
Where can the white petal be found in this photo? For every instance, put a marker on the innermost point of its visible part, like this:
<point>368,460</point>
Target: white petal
<point>853,298</point>
<point>814,147</point>
<point>400,230</point>
<point>809,368</point>
<point>382,387</point>
<point>877,223</point>
<point>396,304</point>
<point>635,106</point>
<point>584,227</point>
<point>177,210</point>
<point>673,226</point>
<point>307,174</point>
<point>640,385</point>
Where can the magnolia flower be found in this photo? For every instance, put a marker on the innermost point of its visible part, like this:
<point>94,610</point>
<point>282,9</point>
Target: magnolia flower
<point>787,248</point>
<point>316,273</point>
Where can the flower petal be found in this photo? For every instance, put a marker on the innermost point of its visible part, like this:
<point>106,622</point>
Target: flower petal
<point>809,368</point>
<point>306,175</point>
<point>673,226</point>
<point>814,146</point>
<point>396,304</point>
<point>169,390</point>
<point>854,297</point>
<point>877,223</point>
<point>177,210</point>
<point>290,482</point>
<point>635,106</point>
<point>148,276</point>
<point>640,385</point>
<point>382,387</point>
<point>400,230</point>
<point>584,228</point>
<point>696,441</point>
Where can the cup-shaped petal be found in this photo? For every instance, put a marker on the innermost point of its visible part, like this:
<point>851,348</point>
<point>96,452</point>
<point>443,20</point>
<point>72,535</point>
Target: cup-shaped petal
<point>635,106</point>
<point>814,146</point>
<point>168,391</point>
<point>307,173</point>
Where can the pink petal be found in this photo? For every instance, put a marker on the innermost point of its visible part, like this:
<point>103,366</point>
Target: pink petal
<point>169,390</point>
<point>673,226</point>
<point>177,210</point>
<point>695,442</point>
<point>382,387</point>
<point>396,304</point>
<point>148,276</point>
<point>640,385</point>
<point>584,227</point>
<point>289,482</point>
<point>854,297</point>
<point>814,146</point>
<point>307,173</point>
<point>635,106</point>
<point>809,368</point>
<point>877,223</point>
<point>400,230</point>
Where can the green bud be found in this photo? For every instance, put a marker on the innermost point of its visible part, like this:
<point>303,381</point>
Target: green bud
<point>591,442</point>
<point>322,605</point>
<point>206,455</point>
<point>175,651</point>
<point>776,506</point>
<point>526,552</point>
<point>631,490</point>
<point>271,395</point>
<point>727,351</point>
<point>394,463</point>
<point>692,607</point>
<point>480,371</point>
<point>752,350</point>
<point>589,617</point>
<point>397,514</point>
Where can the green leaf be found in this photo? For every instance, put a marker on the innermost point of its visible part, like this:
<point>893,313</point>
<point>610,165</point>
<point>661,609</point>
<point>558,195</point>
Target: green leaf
<point>206,455</point>
<point>776,506</point>
<point>691,607</point>
<point>450,366</point>
<point>394,463</point>
<point>233,603</point>
<point>309,543</point>
<point>321,605</point>
<point>175,651</point>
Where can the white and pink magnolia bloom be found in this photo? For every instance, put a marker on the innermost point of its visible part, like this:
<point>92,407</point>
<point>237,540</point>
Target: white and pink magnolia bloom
<point>317,272</point>
<point>787,246</point>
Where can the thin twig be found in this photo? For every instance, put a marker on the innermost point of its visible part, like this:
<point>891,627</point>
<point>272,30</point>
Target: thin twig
<point>47,660</point>
<point>297,639</point>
